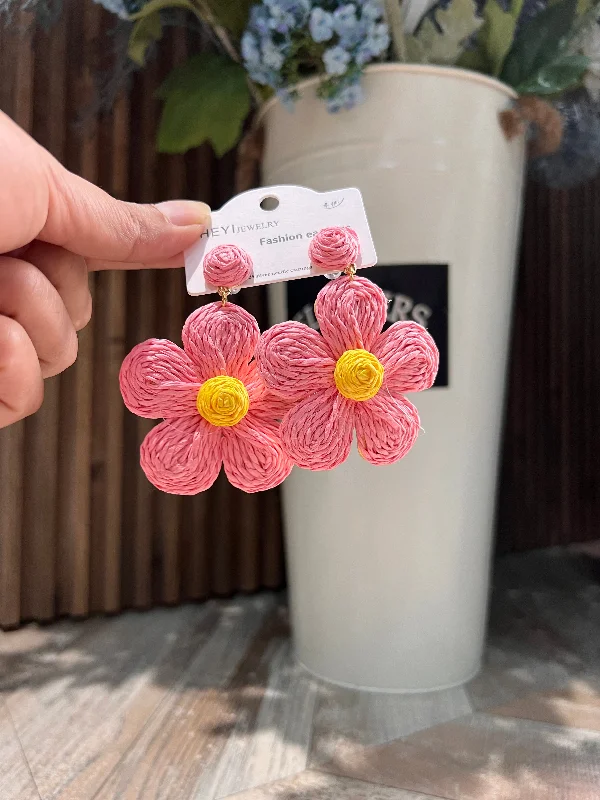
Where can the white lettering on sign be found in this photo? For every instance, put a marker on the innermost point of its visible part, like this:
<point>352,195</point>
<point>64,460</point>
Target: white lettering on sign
<point>404,309</point>
<point>401,309</point>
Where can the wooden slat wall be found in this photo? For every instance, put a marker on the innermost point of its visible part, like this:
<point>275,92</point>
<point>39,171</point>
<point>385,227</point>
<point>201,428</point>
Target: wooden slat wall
<point>81,530</point>
<point>550,480</point>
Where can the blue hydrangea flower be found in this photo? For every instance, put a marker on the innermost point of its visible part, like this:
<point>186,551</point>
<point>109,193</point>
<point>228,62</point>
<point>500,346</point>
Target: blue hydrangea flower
<point>344,17</point>
<point>250,49</point>
<point>363,55</point>
<point>272,55</point>
<point>346,98</point>
<point>377,41</point>
<point>259,20</point>
<point>280,37</point>
<point>286,98</point>
<point>347,25</point>
<point>321,25</point>
<point>374,45</point>
<point>287,14</point>
<point>263,75</point>
<point>336,60</point>
<point>372,10</point>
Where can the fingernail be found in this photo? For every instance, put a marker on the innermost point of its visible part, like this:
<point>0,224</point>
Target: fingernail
<point>185,212</point>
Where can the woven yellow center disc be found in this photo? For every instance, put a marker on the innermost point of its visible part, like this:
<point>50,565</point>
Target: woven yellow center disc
<point>223,401</point>
<point>358,375</point>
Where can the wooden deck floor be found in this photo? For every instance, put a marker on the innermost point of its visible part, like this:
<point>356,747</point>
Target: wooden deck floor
<point>205,702</point>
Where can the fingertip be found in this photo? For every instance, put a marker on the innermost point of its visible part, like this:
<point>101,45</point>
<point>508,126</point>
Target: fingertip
<point>183,213</point>
<point>63,358</point>
<point>152,236</point>
<point>21,383</point>
<point>85,313</point>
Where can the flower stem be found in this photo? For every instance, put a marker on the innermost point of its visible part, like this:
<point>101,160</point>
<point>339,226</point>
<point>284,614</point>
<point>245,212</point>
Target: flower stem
<point>393,13</point>
<point>209,18</point>
<point>206,15</point>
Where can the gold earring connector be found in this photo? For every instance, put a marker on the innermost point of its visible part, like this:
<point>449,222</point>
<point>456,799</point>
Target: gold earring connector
<point>224,294</point>
<point>350,271</point>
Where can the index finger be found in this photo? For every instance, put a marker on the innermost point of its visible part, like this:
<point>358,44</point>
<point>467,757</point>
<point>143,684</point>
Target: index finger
<point>21,383</point>
<point>87,221</point>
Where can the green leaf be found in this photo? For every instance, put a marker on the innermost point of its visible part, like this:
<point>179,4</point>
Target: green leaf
<point>494,40</point>
<point>231,14</point>
<point>497,34</point>
<point>538,43</point>
<point>474,60</point>
<point>564,73</point>
<point>159,5</point>
<point>144,33</point>
<point>206,99</point>
<point>457,23</point>
<point>414,51</point>
<point>515,9</point>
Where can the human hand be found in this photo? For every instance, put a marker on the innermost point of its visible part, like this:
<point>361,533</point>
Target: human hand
<point>54,227</point>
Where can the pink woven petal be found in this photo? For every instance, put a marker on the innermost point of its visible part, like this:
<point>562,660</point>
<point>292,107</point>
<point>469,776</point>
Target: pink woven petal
<point>317,431</point>
<point>227,265</point>
<point>351,314</point>
<point>270,405</point>
<point>253,457</point>
<point>334,249</point>
<point>271,409</point>
<point>220,340</point>
<point>386,428</point>
<point>182,456</point>
<point>275,406</point>
<point>254,382</point>
<point>294,360</point>
<point>158,380</point>
<point>409,355</point>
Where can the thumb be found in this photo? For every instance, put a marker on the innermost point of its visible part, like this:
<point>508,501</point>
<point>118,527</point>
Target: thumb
<point>89,222</point>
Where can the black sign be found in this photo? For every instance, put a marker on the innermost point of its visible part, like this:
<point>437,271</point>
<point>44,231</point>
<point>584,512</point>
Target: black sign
<point>417,292</point>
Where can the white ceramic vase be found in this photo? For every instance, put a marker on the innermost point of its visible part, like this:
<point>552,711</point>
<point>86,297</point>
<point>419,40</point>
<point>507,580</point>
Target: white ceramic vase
<point>389,566</point>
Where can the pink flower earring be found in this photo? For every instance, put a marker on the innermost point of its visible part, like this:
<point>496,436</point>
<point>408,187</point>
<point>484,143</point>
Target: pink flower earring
<point>350,376</point>
<point>216,408</point>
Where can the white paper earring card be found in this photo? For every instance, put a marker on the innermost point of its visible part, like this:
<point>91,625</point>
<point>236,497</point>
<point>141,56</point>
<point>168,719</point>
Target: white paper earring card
<point>275,226</point>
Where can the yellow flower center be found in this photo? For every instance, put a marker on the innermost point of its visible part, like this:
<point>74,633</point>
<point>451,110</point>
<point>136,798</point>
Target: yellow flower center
<point>358,375</point>
<point>223,401</point>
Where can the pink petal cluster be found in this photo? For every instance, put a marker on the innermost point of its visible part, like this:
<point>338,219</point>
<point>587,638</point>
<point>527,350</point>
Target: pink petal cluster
<point>298,364</point>
<point>184,454</point>
<point>334,249</point>
<point>227,265</point>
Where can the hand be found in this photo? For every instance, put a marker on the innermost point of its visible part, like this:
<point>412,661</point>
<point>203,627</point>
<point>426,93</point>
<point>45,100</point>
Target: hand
<point>54,227</point>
